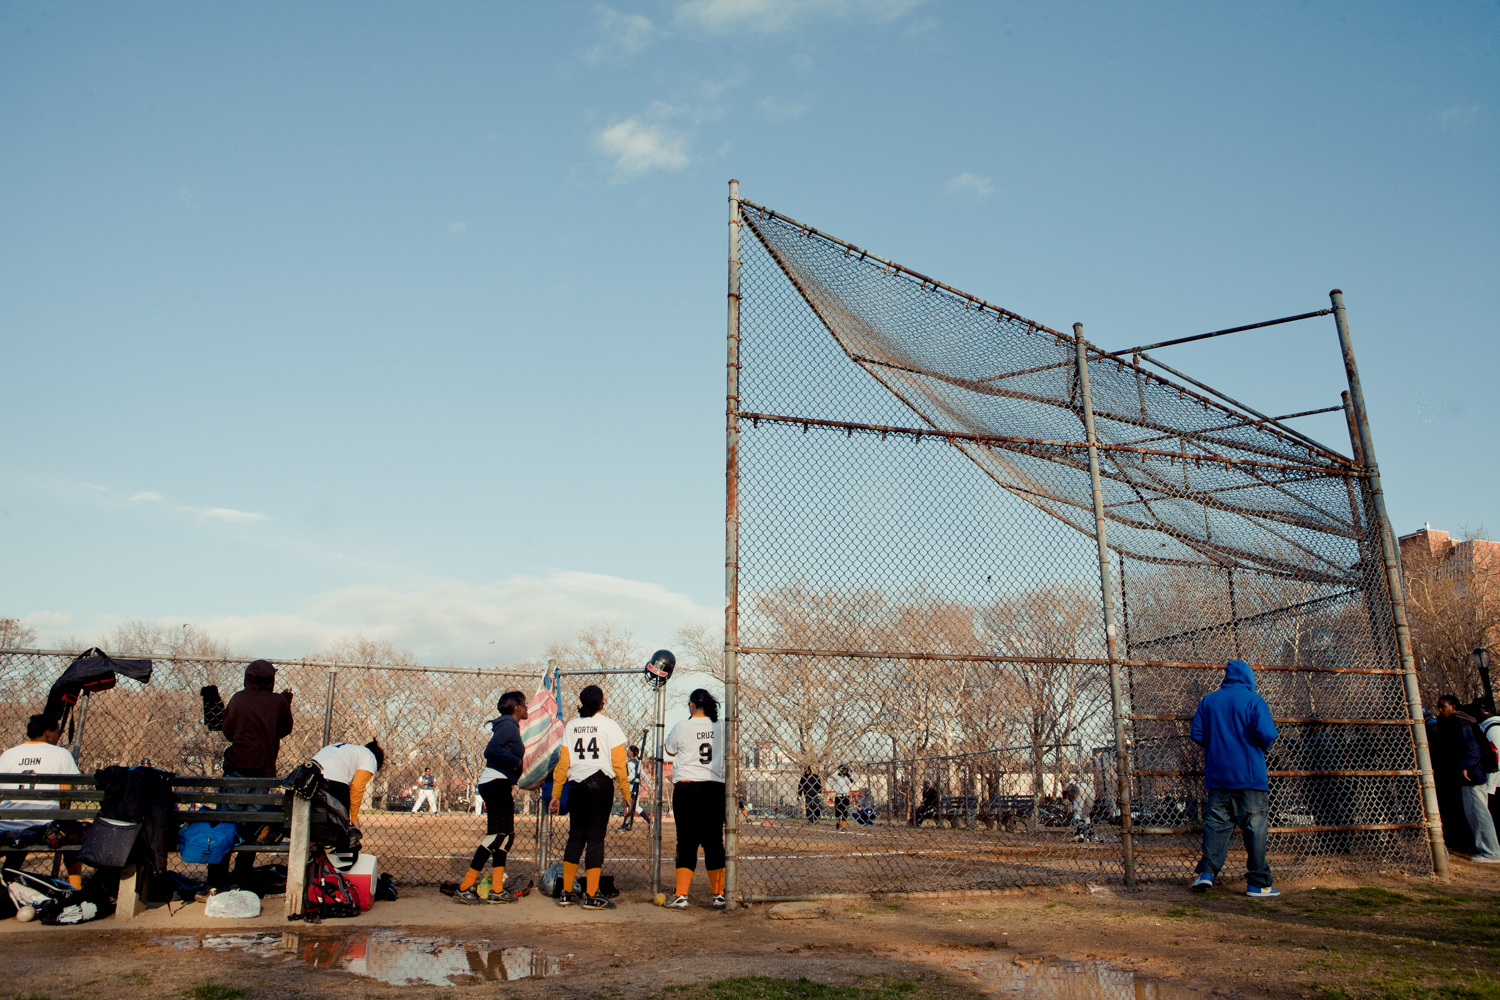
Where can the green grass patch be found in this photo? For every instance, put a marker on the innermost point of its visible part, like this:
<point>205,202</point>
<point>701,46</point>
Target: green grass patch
<point>213,991</point>
<point>770,988</point>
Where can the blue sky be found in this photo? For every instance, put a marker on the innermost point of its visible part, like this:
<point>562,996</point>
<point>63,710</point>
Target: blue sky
<point>408,319</point>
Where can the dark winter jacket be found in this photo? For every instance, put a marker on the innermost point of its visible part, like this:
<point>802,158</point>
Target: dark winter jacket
<point>506,749</point>
<point>810,784</point>
<point>1233,726</point>
<point>1454,750</point>
<point>254,723</point>
<point>142,795</point>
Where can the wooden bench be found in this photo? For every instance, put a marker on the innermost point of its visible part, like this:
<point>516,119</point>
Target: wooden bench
<point>199,799</point>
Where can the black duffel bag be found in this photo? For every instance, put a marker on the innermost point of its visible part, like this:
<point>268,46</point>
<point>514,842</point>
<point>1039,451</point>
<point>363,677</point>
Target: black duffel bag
<point>108,843</point>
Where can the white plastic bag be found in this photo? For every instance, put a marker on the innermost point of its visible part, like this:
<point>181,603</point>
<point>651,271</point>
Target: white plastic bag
<point>232,903</point>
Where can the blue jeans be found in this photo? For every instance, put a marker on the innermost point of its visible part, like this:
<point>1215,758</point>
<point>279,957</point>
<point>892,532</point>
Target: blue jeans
<point>1226,809</point>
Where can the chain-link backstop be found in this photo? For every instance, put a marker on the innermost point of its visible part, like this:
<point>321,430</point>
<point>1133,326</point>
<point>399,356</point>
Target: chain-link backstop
<point>969,555</point>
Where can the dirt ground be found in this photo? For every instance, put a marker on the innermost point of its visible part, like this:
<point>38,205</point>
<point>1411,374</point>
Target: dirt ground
<point>1384,936</point>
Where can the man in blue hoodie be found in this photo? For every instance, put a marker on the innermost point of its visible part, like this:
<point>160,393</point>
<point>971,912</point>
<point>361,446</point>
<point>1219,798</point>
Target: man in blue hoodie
<point>502,758</point>
<point>1233,726</point>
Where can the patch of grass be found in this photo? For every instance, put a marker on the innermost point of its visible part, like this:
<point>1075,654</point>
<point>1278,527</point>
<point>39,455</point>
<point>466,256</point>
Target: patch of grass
<point>136,978</point>
<point>771,988</point>
<point>213,991</point>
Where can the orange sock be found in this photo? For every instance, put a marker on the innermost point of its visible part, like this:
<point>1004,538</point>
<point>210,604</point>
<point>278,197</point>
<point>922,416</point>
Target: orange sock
<point>498,878</point>
<point>684,880</point>
<point>591,880</point>
<point>76,881</point>
<point>470,877</point>
<point>570,875</point>
<point>716,881</point>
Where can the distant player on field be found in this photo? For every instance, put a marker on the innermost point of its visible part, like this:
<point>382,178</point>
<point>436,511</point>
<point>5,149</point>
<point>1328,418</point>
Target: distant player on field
<point>697,750</point>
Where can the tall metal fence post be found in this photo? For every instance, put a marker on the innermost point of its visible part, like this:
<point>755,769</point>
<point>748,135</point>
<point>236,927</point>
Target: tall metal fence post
<point>732,562</point>
<point>659,724</point>
<point>543,808</point>
<point>1107,592</point>
<point>333,678</point>
<point>1391,556</point>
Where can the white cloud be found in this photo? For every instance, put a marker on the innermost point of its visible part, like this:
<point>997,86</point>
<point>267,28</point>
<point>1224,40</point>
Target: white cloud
<point>774,109</point>
<point>457,228</point>
<point>639,147</point>
<point>724,16</point>
<point>624,35</point>
<point>226,514</point>
<point>971,184</point>
<point>442,620</point>
<point>1459,117</point>
<point>145,495</point>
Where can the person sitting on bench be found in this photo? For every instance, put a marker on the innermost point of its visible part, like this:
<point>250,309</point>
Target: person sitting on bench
<point>40,754</point>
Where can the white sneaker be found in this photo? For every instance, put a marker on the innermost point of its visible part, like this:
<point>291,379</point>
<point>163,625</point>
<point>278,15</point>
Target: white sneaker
<point>679,903</point>
<point>719,902</point>
<point>1485,859</point>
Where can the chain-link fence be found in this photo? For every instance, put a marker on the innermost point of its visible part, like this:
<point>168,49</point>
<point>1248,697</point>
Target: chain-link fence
<point>424,717</point>
<point>921,486</point>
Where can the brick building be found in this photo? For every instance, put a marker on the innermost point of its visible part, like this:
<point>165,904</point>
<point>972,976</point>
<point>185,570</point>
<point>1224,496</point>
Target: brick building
<point>1429,550</point>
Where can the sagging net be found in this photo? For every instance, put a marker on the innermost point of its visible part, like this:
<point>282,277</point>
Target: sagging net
<point>919,598</point>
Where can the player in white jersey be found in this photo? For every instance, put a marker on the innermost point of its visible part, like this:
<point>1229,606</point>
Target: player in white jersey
<point>592,762</point>
<point>40,754</point>
<point>697,750</point>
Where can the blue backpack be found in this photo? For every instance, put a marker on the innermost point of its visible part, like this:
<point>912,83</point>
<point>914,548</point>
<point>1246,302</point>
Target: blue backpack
<point>205,843</point>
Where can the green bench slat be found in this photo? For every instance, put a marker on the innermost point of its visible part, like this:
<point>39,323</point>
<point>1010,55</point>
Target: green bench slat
<point>181,781</point>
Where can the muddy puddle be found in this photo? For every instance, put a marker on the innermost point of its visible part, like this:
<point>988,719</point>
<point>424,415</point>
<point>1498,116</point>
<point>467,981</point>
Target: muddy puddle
<point>387,955</point>
<point>1003,977</point>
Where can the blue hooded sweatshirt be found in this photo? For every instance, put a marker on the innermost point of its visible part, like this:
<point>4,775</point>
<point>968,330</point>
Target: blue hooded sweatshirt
<point>1233,726</point>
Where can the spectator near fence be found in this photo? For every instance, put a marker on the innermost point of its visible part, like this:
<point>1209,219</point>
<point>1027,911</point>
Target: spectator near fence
<point>1489,728</point>
<point>1462,783</point>
<point>256,720</point>
<point>696,747</point>
<point>843,788</point>
<point>1233,726</point>
<point>40,754</point>
<point>811,788</point>
<point>503,757</point>
<point>591,761</point>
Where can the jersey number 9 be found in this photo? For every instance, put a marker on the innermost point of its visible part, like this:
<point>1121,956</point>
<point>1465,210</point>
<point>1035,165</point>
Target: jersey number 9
<point>705,753</point>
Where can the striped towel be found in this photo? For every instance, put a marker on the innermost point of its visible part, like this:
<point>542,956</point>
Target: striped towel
<point>542,734</point>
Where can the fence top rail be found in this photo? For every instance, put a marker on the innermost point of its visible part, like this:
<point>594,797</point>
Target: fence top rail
<point>290,662</point>
<point>878,654</point>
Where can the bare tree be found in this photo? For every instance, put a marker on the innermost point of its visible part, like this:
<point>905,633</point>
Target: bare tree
<point>1454,606</point>
<point>16,635</point>
<point>701,648</point>
<point>358,649</point>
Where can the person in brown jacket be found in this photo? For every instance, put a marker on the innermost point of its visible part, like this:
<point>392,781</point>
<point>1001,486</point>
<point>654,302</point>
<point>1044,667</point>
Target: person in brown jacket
<point>255,722</point>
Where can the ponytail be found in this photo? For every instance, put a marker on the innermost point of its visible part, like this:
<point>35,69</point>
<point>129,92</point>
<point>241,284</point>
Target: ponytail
<point>710,705</point>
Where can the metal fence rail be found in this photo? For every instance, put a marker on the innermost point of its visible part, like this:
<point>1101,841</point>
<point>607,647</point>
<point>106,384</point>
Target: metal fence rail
<point>423,716</point>
<point>971,557</point>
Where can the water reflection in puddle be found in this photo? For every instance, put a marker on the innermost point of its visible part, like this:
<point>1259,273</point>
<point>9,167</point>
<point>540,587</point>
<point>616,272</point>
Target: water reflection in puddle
<point>1069,981</point>
<point>386,955</point>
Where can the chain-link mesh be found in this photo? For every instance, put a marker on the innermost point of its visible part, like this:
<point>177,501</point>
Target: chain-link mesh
<point>424,717</point>
<point>919,600</point>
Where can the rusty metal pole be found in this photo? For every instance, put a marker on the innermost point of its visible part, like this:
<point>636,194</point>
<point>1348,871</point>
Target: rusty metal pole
<point>333,679</point>
<point>1107,592</point>
<point>1391,556</point>
<point>732,561</point>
